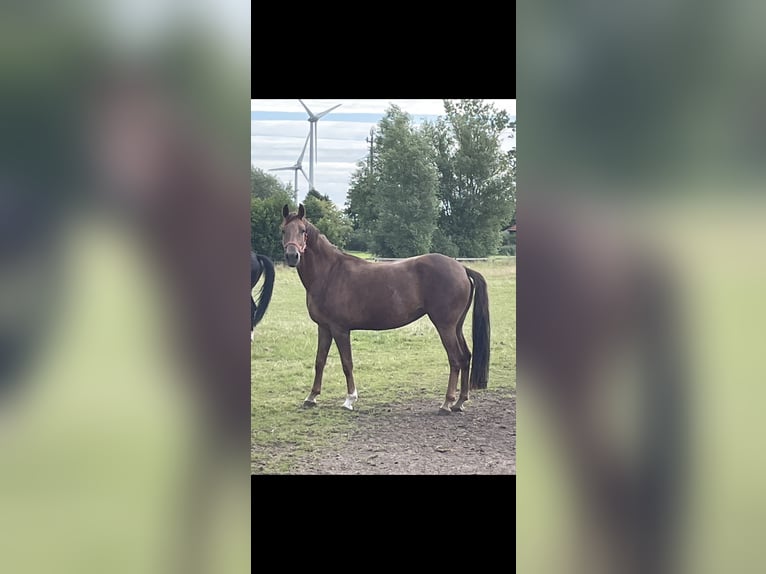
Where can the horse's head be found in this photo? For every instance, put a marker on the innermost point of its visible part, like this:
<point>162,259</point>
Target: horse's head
<point>294,233</point>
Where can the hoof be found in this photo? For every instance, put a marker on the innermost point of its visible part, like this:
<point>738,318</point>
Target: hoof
<point>443,411</point>
<point>348,404</point>
<point>458,408</point>
<point>309,404</point>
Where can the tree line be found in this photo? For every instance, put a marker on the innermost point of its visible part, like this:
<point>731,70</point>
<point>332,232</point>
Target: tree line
<point>445,186</point>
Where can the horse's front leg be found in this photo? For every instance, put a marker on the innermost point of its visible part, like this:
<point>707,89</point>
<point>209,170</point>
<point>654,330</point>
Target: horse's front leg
<point>324,339</point>
<point>343,341</point>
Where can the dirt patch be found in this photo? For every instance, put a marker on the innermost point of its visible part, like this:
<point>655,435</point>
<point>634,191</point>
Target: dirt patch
<point>412,438</point>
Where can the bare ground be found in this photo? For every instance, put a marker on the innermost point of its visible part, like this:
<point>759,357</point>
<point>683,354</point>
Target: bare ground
<point>412,438</point>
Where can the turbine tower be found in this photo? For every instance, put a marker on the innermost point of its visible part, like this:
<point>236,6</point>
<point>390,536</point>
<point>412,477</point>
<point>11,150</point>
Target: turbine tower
<point>296,167</point>
<point>313,119</point>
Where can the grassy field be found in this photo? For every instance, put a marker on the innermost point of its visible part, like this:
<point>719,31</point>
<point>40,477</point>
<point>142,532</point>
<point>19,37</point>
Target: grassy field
<point>362,254</point>
<point>389,366</point>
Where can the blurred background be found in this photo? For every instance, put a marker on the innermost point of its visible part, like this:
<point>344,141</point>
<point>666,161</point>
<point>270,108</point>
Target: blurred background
<point>123,190</point>
<point>124,377</point>
<point>642,274</point>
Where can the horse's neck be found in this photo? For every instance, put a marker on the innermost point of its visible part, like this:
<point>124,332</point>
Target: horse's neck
<point>318,261</point>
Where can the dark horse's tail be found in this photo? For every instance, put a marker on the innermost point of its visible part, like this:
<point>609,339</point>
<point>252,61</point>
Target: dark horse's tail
<point>264,296</point>
<point>480,358</point>
<point>659,479</point>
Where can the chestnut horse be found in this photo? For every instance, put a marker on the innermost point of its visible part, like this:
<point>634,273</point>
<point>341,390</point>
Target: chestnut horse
<point>344,293</point>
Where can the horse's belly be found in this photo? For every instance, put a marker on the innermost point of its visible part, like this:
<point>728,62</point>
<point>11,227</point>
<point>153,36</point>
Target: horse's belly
<point>390,322</point>
<point>389,310</point>
<point>372,314</point>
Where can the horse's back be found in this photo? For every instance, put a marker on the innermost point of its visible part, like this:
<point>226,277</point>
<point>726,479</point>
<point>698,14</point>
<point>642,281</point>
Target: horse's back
<point>429,271</point>
<point>437,272</point>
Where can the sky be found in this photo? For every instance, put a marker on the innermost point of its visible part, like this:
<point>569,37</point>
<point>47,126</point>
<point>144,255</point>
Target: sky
<point>279,128</point>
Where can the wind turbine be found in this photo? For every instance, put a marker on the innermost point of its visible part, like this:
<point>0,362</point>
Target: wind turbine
<point>296,167</point>
<point>313,119</point>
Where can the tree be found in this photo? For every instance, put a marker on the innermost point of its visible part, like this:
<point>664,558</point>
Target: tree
<point>265,219</point>
<point>362,207</point>
<point>264,185</point>
<point>512,162</point>
<point>397,201</point>
<point>476,189</point>
<point>323,213</point>
<point>267,197</point>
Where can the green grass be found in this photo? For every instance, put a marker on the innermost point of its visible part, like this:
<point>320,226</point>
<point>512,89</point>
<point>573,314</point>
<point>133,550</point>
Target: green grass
<point>362,254</point>
<point>389,366</point>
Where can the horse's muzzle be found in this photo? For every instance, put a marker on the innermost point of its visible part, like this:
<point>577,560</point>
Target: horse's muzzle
<point>292,257</point>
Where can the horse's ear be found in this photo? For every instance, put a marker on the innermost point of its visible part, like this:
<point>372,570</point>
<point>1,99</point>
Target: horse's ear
<point>301,211</point>
<point>285,211</point>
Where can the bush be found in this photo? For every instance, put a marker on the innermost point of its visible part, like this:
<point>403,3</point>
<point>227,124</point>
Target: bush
<point>265,219</point>
<point>443,244</point>
<point>508,244</point>
<point>330,221</point>
<point>359,240</point>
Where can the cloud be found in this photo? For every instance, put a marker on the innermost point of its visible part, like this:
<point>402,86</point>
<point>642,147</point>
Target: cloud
<point>279,128</point>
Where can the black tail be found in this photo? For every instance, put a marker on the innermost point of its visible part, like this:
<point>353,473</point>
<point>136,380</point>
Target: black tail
<point>663,470</point>
<point>480,357</point>
<point>264,296</point>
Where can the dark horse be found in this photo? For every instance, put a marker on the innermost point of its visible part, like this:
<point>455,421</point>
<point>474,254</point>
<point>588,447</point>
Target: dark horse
<point>260,265</point>
<point>344,293</point>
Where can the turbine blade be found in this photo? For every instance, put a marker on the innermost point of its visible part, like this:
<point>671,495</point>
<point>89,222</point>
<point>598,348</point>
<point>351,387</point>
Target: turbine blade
<point>304,173</point>
<point>316,143</point>
<point>300,158</point>
<point>308,111</point>
<point>327,111</point>
<point>282,168</point>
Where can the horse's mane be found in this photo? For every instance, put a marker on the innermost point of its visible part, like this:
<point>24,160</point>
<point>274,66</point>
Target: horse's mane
<point>316,236</point>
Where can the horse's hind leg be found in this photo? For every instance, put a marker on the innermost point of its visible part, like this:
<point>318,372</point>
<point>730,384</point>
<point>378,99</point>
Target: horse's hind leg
<point>465,357</point>
<point>324,339</point>
<point>465,363</point>
<point>454,354</point>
